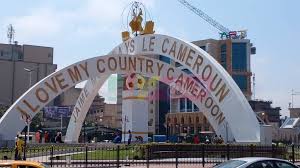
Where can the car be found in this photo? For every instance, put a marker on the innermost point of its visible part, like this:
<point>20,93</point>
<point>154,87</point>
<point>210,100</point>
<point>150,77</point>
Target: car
<point>256,162</point>
<point>22,164</point>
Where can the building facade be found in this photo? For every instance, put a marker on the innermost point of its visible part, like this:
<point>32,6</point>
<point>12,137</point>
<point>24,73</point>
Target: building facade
<point>234,55</point>
<point>21,66</point>
<point>294,112</point>
<point>270,115</point>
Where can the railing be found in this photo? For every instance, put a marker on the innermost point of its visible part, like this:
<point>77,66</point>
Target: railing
<point>112,155</point>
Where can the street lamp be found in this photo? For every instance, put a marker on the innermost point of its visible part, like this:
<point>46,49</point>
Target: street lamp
<point>84,123</point>
<point>28,122</point>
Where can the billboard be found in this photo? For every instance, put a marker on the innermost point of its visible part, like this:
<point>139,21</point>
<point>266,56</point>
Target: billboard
<point>56,112</point>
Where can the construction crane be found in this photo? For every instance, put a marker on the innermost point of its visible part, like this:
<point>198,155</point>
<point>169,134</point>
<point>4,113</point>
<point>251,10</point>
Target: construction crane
<point>225,32</point>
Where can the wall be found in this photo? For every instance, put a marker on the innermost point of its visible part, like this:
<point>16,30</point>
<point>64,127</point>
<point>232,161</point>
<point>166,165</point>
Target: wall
<point>14,79</point>
<point>294,112</point>
<point>38,54</point>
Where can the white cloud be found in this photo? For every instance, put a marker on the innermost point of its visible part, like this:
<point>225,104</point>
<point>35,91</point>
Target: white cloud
<point>41,22</point>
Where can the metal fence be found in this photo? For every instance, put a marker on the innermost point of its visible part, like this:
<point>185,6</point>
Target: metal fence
<point>111,155</point>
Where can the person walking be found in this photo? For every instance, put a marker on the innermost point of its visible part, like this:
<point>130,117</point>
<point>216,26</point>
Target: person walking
<point>46,137</point>
<point>129,137</point>
<point>19,148</point>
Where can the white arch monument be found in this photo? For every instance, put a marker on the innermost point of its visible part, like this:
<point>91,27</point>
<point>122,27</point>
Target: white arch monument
<point>217,95</point>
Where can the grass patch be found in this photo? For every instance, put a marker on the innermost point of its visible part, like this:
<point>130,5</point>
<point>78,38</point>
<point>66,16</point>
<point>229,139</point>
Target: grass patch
<point>130,153</point>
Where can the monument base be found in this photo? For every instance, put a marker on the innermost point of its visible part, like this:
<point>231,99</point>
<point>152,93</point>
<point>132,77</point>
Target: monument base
<point>135,115</point>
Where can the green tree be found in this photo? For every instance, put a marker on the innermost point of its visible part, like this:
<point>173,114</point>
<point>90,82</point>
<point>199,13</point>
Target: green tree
<point>3,109</point>
<point>36,122</point>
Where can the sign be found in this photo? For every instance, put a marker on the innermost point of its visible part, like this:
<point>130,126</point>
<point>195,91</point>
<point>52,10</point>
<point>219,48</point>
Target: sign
<point>56,112</point>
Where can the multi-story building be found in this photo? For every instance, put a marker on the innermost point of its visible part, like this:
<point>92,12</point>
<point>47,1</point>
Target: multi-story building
<point>96,110</point>
<point>269,114</point>
<point>21,66</point>
<point>234,56</point>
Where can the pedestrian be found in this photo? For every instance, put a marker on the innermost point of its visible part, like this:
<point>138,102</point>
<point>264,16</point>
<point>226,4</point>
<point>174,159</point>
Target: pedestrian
<point>57,137</point>
<point>129,137</point>
<point>46,137</point>
<point>221,140</point>
<point>41,136</point>
<point>16,149</point>
<point>37,137</point>
<point>206,139</point>
<point>196,139</point>
<point>19,148</point>
<point>60,138</point>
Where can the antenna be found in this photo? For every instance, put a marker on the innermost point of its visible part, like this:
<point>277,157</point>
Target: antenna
<point>294,94</point>
<point>10,33</point>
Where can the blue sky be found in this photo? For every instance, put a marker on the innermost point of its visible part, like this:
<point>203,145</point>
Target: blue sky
<point>78,29</point>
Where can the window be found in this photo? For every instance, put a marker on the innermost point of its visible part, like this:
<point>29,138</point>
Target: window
<point>239,56</point>
<point>182,104</point>
<point>1,53</point>
<point>280,164</point>
<point>189,105</point>
<point>241,81</point>
<point>223,56</point>
<point>262,164</point>
<point>20,56</point>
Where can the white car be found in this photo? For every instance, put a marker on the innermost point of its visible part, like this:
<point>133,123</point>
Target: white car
<point>256,162</point>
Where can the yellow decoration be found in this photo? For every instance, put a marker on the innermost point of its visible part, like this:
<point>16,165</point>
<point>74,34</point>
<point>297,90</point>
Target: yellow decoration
<point>149,28</point>
<point>136,23</point>
<point>125,35</point>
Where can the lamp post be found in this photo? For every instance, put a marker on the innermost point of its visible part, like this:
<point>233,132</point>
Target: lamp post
<point>125,121</point>
<point>167,132</point>
<point>84,123</point>
<point>30,73</point>
<point>30,83</point>
<point>226,127</point>
<point>95,132</point>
